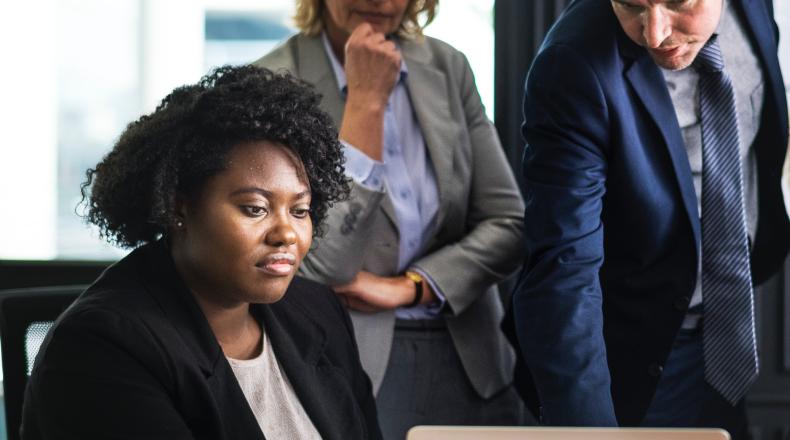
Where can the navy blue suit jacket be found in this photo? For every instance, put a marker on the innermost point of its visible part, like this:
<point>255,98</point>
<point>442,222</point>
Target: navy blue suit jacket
<point>611,224</point>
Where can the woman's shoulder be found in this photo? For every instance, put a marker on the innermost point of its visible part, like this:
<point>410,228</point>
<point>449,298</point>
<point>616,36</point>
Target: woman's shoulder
<point>121,289</point>
<point>438,46</point>
<point>111,308</point>
<point>97,328</point>
<point>436,52</point>
<point>120,299</point>
<point>284,56</point>
<point>433,46</point>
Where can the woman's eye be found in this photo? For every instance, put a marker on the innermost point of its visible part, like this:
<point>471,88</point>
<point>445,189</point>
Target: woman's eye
<point>300,212</point>
<point>254,211</point>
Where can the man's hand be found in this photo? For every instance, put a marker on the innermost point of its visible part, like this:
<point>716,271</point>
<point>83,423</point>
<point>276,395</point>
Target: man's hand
<point>372,66</point>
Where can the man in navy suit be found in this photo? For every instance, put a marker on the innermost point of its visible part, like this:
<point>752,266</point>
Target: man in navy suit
<point>610,310</point>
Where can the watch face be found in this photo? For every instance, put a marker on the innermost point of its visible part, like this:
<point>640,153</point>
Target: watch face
<point>414,276</point>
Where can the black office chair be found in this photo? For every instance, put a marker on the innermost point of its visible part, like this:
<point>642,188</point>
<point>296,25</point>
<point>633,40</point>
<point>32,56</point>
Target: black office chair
<point>25,318</point>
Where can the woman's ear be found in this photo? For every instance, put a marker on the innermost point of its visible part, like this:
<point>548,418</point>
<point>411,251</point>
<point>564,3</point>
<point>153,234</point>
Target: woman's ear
<point>181,211</point>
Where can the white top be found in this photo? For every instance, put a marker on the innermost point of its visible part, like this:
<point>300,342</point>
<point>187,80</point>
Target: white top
<point>271,396</point>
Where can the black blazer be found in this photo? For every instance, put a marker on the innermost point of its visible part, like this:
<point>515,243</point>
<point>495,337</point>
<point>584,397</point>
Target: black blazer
<point>134,358</point>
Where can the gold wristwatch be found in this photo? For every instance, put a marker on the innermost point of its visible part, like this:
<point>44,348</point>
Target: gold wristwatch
<point>418,279</point>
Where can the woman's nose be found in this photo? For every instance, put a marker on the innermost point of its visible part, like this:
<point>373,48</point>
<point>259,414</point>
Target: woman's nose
<point>281,233</point>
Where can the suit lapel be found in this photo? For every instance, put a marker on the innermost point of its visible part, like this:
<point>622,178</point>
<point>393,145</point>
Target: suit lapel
<point>649,84</point>
<point>178,304</point>
<point>313,66</point>
<point>299,344</point>
<point>429,86</point>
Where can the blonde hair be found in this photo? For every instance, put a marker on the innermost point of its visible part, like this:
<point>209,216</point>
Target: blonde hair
<point>310,13</point>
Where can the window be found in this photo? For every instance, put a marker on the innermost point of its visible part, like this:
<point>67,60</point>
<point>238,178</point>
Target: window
<point>468,25</point>
<point>92,66</point>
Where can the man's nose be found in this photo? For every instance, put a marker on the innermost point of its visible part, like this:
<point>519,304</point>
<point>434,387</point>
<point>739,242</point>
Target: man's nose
<point>657,27</point>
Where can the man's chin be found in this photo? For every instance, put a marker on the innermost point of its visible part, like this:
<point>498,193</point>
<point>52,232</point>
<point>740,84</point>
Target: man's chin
<point>672,63</point>
<point>677,59</point>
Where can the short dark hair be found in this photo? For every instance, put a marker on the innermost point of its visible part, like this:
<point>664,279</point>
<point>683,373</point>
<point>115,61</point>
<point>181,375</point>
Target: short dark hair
<point>132,192</point>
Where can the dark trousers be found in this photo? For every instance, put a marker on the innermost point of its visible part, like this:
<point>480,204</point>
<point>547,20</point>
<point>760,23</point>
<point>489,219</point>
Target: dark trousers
<point>425,384</point>
<point>684,399</point>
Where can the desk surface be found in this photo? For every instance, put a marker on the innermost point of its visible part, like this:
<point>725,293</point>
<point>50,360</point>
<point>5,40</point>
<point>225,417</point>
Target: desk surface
<point>541,433</point>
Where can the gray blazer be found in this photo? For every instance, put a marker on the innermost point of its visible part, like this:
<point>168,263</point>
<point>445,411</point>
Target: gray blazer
<point>478,235</point>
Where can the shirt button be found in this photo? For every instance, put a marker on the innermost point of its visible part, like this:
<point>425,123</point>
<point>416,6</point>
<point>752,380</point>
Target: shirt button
<point>655,369</point>
<point>392,151</point>
<point>374,181</point>
<point>404,193</point>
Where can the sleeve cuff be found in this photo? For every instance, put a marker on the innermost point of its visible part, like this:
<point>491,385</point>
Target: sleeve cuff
<point>362,169</point>
<point>438,305</point>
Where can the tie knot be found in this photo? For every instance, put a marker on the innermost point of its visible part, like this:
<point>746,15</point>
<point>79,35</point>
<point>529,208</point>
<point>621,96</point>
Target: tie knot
<point>709,58</point>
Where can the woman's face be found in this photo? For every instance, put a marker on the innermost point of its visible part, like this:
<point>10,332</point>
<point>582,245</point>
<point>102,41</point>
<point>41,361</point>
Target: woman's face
<point>245,234</point>
<point>341,17</point>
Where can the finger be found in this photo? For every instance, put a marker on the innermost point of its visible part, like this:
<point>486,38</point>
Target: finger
<point>364,29</point>
<point>389,46</point>
<point>378,38</point>
<point>357,38</point>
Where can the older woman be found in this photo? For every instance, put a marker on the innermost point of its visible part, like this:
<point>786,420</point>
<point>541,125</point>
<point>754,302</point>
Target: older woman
<point>434,217</point>
<point>203,332</point>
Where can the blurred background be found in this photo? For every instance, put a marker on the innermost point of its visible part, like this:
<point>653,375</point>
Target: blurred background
<point>75,72</point>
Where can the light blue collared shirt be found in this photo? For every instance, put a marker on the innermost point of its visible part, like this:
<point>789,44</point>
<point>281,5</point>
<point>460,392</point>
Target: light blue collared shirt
<point>407,175</point>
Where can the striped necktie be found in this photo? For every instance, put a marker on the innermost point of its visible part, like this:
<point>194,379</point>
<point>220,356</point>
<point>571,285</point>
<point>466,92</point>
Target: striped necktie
<point>729,339</point>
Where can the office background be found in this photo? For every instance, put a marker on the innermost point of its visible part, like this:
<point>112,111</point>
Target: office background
<point>74,72</point>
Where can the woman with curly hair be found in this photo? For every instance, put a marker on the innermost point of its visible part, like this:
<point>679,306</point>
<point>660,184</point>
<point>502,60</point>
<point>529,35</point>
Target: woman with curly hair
<point>434,220</point>
<point>203,331</point>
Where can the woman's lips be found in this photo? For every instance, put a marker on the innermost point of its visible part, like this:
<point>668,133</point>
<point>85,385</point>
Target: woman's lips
<point>372,17</point>
<point>277,264</point>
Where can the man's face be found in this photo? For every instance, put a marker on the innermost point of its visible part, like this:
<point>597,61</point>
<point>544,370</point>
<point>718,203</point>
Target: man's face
<point>672,31</point>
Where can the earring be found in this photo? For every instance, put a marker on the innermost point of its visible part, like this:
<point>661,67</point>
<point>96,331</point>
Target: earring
<point>179,224</point>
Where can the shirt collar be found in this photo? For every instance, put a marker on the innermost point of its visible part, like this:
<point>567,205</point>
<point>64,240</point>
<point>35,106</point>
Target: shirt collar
<point>340,73</point>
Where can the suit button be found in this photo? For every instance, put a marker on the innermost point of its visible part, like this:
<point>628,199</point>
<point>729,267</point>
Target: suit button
<point>655,369</point>
<point>681,303</point>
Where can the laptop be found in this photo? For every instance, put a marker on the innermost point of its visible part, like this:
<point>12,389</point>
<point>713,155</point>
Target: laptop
<point>547,433</point>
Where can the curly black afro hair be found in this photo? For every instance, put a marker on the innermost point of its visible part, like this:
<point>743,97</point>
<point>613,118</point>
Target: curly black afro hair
<point>132,192</point>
